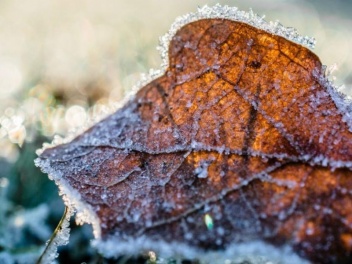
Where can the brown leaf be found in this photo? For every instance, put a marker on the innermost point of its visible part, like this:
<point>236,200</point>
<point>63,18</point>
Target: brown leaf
<point>240,140</point>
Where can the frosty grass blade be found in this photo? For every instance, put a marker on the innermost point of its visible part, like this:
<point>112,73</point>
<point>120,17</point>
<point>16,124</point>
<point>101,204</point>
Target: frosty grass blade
<point>59,238</point>
<point>246,251</point>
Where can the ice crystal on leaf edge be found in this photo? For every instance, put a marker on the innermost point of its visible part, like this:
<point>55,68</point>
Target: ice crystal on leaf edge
<point>237,252</point>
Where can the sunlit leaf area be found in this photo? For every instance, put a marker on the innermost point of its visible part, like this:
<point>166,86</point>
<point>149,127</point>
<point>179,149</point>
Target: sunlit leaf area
<point>63,63</point>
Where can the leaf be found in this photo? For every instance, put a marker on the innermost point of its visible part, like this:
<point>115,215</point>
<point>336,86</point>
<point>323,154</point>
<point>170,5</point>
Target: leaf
<point>241,139</point>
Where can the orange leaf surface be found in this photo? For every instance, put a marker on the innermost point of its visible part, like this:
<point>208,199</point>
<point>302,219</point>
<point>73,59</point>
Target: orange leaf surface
<point>240,140</point>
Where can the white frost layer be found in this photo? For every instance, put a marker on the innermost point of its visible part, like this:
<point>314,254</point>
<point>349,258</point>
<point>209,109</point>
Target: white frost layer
<point>74,203</point>
<point>257,249</point>
<point>72,198</point>
<point>205,12</point>
<point>231,13</point>
<point>341,100</point>
<point>255,252</point>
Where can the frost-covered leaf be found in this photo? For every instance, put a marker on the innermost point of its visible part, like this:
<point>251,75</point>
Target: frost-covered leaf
<point>241,140</point>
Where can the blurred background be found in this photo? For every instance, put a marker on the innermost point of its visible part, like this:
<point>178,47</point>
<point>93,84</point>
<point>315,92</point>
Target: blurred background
<point>62,61</point>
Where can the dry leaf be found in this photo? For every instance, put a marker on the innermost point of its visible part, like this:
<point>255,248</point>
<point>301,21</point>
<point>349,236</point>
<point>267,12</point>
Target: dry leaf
<point>241,139</point>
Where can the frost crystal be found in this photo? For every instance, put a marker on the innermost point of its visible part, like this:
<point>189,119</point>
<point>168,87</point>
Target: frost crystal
<point>60,239</point>
<point>255,252</point>
<point>342,101</point>
<point>231,13</point>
